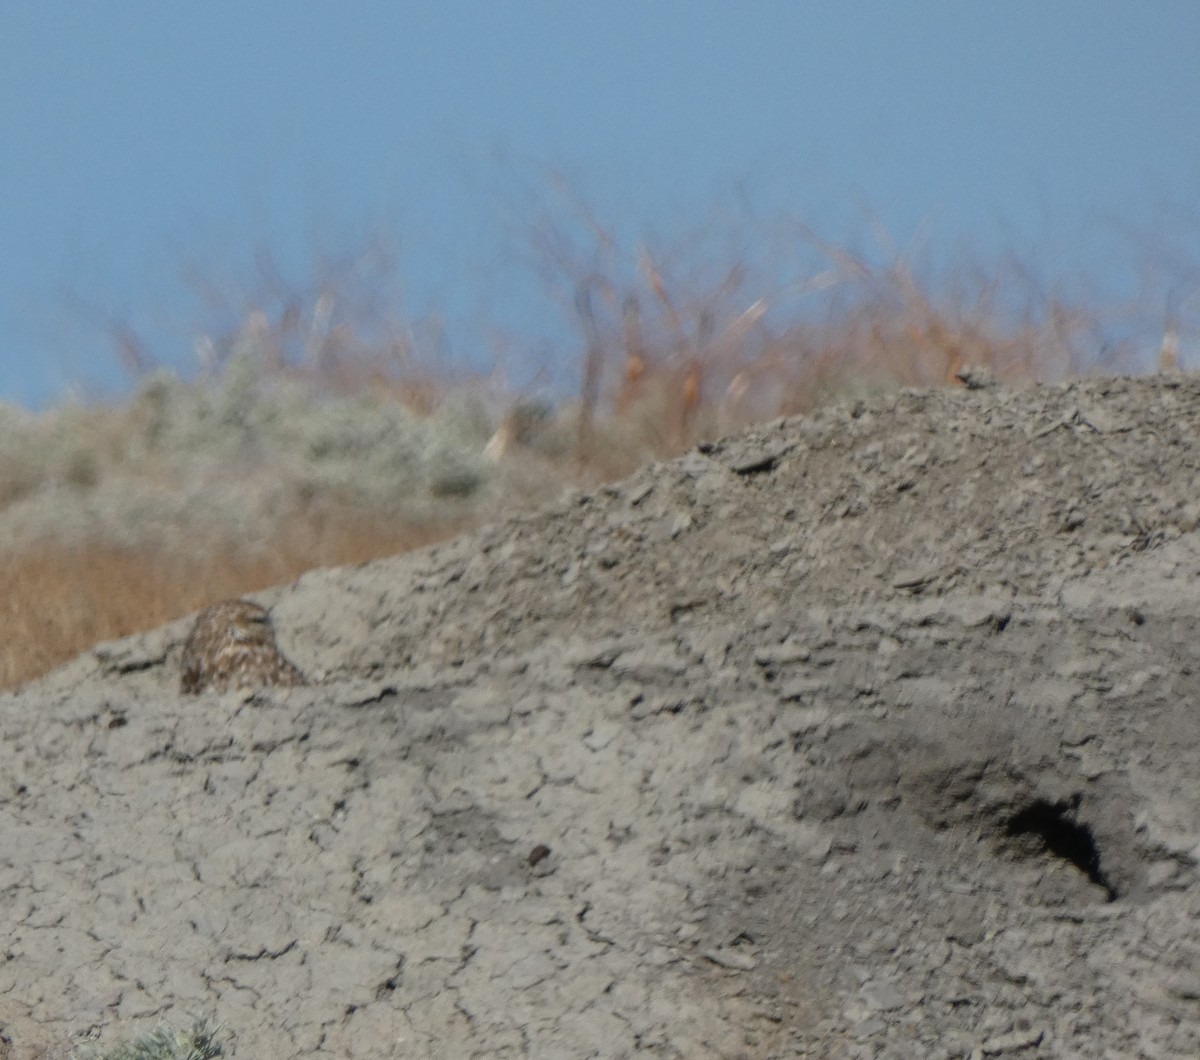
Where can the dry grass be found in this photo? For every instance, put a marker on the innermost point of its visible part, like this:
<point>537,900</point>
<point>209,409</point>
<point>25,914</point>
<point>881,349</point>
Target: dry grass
<point>674,346</point>
<point>653,388</point>
<point>683,342</point>
<point>60,601</point>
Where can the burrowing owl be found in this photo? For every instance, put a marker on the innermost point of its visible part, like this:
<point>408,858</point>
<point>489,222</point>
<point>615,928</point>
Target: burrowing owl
<point>232,645</point>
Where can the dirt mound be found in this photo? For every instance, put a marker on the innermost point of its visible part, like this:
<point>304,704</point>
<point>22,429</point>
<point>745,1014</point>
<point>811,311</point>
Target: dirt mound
<point>869,734</point>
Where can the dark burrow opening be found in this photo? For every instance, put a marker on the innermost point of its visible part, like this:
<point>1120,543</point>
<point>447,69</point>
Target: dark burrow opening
<point>1051,827</point>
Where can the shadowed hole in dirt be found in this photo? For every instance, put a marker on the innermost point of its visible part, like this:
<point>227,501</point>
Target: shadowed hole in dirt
<point>1045,827</point>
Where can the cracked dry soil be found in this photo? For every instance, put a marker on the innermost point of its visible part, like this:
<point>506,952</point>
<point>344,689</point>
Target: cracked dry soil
<point>874,733</point>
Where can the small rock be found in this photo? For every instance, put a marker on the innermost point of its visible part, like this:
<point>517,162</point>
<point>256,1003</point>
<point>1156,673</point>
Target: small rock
<point>600,736</point>
<point>882,997</point>
<point>1008,1043</point>
<point>726,958</point>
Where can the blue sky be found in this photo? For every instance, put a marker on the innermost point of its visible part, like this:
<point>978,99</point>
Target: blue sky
<point>137,137</point>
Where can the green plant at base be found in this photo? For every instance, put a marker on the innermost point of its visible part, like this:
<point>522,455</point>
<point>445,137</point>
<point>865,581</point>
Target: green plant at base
<point>199,1042</point>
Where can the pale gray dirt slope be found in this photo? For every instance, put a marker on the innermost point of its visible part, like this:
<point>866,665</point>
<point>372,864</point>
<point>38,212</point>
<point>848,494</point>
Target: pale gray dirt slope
<point>869,734</point>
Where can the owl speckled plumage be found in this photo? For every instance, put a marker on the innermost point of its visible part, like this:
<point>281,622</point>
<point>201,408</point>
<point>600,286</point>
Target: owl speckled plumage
<point>232,646</point>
